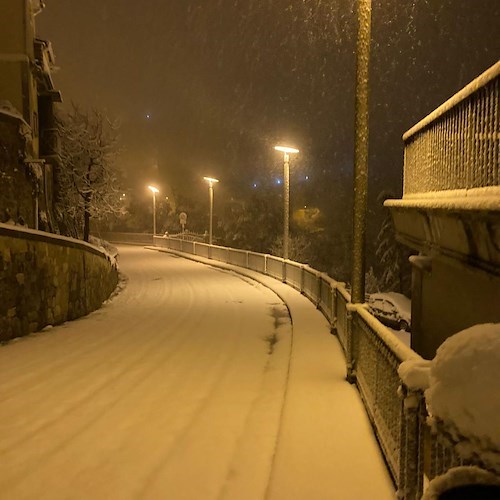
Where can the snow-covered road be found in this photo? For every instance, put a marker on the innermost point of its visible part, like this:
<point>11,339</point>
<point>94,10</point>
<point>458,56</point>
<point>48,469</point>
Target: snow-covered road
<point>192,383</point>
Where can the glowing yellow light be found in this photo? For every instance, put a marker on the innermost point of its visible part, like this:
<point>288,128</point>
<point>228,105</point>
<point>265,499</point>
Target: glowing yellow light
<point>153,189</point>
<point>211,179</point>
<point>286,149</point>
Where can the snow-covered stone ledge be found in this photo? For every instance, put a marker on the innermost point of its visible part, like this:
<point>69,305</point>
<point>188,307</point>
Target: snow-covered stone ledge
<point>47,279</point>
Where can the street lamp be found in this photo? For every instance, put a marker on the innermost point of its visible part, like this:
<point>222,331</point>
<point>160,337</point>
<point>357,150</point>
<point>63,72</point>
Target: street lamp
<point>154,191</point>
<point>211,181</point>
<point>286,178</point>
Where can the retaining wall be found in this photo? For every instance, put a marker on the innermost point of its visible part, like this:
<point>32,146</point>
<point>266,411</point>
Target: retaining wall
<point>46,279</point>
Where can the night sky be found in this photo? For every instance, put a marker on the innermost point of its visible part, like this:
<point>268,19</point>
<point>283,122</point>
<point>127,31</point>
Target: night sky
<point>223,80</point>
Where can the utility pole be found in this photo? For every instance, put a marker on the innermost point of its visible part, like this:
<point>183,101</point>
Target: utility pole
<point>361,151</point>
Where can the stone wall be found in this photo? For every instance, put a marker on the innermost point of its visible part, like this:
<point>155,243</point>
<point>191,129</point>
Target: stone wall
<point>47,279</point>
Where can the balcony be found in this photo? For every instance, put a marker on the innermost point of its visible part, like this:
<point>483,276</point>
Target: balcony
<point>451,192</point>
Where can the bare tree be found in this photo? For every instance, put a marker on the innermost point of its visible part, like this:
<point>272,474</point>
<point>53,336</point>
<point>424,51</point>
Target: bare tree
<point>89,177</point>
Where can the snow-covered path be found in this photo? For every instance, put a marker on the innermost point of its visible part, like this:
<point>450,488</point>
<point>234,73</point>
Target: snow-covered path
<point>190,384</point>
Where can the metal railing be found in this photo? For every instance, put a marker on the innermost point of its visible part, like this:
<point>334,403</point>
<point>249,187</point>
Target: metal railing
<point>457,146</point>
<point>375,363</point>
<point>126,238</point>
<point>372,352</point>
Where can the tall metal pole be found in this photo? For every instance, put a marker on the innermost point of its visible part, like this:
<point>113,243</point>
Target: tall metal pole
<point>286,197</point>
<point>211,194</point>
<point>361,152</point>
<point>154,213</point>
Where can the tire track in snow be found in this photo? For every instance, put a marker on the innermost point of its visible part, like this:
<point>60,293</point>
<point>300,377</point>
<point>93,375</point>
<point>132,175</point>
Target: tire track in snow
<point>156,482</point>
<point>92,343</point>
<point>70,340</point>
<point>54,449</point>
<point>30,465</point>
<point>78,371</point>
<point>78,402</point>
<point>81,401</point>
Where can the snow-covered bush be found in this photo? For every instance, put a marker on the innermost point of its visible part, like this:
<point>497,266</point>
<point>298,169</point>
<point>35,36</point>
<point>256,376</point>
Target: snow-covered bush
<point>464,394</point>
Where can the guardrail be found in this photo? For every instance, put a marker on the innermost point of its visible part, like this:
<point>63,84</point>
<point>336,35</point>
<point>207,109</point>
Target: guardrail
<point>126,238</point>
<point>457,146</point>
<point>372,352</point>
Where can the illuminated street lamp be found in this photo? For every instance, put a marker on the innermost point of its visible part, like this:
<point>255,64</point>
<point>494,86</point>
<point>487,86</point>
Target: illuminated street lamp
<point>286,178</point>
<point>211,181</point>
<point>154,191</point>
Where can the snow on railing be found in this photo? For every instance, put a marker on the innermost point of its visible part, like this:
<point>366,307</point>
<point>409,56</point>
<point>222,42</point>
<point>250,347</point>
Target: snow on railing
<point>373,353</point>
<point>457,146</point>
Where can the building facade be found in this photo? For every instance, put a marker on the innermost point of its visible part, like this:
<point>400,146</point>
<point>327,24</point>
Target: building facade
<point>27,100</point>
<point>450,213</point>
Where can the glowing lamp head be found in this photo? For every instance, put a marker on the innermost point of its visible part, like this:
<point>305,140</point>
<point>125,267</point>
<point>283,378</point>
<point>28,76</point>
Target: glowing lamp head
<point>210,180</point>
<point>153,189</point>
<point>286,149</point>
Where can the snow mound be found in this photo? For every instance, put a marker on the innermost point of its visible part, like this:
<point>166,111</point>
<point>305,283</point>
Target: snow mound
<point>110,250</point>
<point>463,390</point>
<point>459,477</point>
<point>415,373</point>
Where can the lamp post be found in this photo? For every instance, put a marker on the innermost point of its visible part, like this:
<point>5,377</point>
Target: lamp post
<point>286,181</point>
<point>154,191</point>
<point>211,181</point>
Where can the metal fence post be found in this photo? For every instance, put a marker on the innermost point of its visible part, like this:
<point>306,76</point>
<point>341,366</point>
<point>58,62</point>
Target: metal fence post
<point>333,305</point>
<point>410,451</point>
<point>351,370</point>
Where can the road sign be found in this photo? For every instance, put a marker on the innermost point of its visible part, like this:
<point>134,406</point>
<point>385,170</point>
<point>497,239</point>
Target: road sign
<point>183,218</point>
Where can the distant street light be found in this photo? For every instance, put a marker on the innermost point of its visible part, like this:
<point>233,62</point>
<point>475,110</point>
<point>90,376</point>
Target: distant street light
<point>286,177</point>
<point>154,191</point>
<point>211,181</point>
